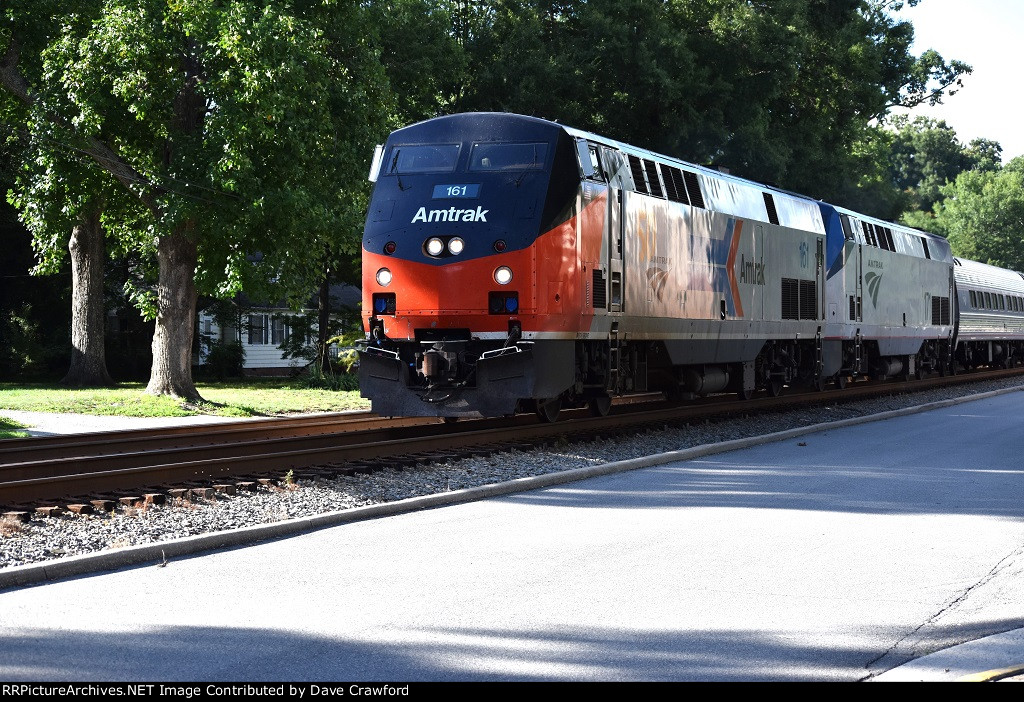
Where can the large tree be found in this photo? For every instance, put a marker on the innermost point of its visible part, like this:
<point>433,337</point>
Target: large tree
<point>788,92</point>
<point>237,128</point>
<point>927,154</point>
<point>983,215</point>
<point>62,211</point>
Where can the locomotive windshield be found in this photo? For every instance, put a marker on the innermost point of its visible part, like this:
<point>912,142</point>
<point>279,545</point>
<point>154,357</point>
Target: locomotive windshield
<point>508,157</point>
<point>435,158</point>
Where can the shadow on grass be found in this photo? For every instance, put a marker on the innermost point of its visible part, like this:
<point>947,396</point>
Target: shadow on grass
<point>10,429</point>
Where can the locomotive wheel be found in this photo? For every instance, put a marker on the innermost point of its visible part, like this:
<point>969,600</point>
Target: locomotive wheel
<point>673,395</point>
<point>775,387</point>
<point>450,420</point>
<point>600,406</point>
<point>841,381</point>
<point>548,409</point>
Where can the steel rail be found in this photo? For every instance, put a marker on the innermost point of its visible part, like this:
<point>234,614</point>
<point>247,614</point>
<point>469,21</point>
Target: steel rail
<point>32,481</point>
<point>18,450</point>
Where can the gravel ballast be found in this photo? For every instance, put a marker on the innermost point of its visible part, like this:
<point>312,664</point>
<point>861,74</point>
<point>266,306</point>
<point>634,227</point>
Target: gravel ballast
<point>46,539</point>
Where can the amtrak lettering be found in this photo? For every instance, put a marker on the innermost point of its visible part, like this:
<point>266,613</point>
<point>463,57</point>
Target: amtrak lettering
<point>750,272</point>
<point>450,215</point>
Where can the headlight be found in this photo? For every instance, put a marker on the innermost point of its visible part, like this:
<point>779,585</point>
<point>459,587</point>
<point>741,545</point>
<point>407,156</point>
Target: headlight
<point>435,246</point>
<point>503,275</point>
<point>455,246</point>
<point>384,277</point>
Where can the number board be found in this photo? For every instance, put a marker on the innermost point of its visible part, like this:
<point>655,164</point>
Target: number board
<point>445,192</point>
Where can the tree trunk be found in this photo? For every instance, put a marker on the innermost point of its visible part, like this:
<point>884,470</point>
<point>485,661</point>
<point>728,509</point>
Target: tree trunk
<point>88,355</point>
<point>323,323</point>
<point>177,256</point>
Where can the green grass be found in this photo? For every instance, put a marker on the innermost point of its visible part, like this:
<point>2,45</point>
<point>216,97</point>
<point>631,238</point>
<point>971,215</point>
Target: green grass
<point>244,398</point>
<point>8,429</point>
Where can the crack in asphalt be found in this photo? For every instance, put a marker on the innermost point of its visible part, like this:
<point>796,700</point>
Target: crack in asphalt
<point>988,577</point>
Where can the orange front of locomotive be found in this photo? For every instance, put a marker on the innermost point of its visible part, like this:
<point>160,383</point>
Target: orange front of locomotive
<point>471,292</point>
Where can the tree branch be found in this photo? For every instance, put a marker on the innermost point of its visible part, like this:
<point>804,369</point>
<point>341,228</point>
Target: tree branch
<point>10,77</point>
<point>100,152</point>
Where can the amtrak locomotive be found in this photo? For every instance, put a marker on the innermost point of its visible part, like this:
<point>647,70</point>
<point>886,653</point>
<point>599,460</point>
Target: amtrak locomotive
<point>511,263</point>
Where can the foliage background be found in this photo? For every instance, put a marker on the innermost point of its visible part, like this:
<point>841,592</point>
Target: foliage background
<point>291,95</point>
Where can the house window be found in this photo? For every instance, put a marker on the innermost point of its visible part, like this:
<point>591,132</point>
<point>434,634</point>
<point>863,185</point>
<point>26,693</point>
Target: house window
<point>257,329</point>
<point>279,331</point>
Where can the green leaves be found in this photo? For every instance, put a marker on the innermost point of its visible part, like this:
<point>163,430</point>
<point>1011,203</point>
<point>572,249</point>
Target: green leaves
<point>252,122</point>
<point>983,213</point>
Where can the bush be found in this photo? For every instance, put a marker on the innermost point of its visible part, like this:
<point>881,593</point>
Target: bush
<point>314,378</point>
<point>225,360</point>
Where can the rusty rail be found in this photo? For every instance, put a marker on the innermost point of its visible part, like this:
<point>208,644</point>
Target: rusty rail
<point>119,461</point>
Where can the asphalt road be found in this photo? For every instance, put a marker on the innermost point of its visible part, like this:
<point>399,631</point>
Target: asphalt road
<point>831,557</point>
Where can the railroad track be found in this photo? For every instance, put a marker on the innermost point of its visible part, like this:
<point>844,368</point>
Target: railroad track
<point>82,471</point>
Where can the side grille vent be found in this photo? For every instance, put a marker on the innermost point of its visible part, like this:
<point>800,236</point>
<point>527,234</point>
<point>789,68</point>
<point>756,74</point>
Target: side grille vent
<point>808,299</point>
<point>941,314</point>
<point>675,188</point>
<point>800,299</point>
<point>790,298</point>
<point>693,189</point>
<point>652,177</point>
<point>600,290</point>
<point>637,169</point>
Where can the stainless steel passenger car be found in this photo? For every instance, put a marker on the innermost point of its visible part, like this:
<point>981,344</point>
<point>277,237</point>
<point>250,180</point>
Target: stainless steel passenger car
<point>990,329</point>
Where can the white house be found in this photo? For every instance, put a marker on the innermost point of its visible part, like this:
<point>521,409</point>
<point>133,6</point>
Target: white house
<point>262,329</point>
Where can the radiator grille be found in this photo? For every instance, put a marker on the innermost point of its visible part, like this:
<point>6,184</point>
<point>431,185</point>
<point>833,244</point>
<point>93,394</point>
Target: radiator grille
<point>693,189</point>
<point>637,169</point>
<point>941,311</point>
<point>800,299</point>
<point>652,177</point>
<point>600,290</point>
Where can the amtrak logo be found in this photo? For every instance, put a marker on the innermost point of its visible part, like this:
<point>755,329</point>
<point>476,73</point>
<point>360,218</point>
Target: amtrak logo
<point>656,278</point>
<point>804,248</point>
<point>450,215</point>
<point>874,281</point>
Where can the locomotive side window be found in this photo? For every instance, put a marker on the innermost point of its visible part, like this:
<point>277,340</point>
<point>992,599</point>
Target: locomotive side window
<point>595,161</point>
<point>435,158</point>
<point>508,157</point>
